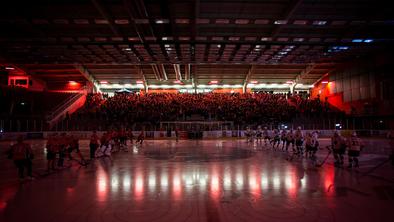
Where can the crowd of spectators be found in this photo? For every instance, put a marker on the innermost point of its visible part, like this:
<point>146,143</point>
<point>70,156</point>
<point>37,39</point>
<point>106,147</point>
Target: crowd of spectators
<point>240,108</point>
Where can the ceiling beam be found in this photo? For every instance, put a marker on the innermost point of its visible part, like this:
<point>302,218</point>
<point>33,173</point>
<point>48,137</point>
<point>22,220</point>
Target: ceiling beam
<point>85,73</point>
<point>142,74</point>
<point>178,74</point>
<point>163,71</point>
<point>305,72</point>
<point>287,15</point>
<point>132,16</point>
<point>156,72</point>
<point>187,71</point>
<point>103,12</point>
<point>194,78</point>
<point>247,78</point>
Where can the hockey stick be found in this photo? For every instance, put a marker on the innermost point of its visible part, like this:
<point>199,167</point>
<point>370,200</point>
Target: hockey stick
<point>375,167</point>
<point>325,158</point>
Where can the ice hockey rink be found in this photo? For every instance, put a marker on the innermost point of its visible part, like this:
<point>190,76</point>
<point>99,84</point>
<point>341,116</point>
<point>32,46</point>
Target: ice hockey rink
<point>201,180</point>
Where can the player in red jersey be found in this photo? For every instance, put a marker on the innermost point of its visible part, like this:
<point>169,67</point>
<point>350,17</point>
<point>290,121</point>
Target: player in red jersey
<point>22,155</point>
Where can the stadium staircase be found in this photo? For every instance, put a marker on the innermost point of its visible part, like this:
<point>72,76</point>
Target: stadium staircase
<point>69,106</point>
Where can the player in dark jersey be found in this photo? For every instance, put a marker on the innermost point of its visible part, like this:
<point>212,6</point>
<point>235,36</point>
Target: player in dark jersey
<point>141,137</point>
<point>93,144</point>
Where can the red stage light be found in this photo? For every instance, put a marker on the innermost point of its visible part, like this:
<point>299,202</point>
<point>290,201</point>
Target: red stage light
<point>324,82</point>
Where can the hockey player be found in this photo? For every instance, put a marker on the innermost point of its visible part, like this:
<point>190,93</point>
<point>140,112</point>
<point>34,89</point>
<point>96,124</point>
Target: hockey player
<point>283,138</point>
<point>51,152</point>
<point>22,155</point>
<point>130,136</point>
<point>276,139</point>
<point>141,137</point>
<point>311,145</point>
<point>249,135</point>
<point>354,145</point>
<point>266,136</point>
<point>62,143</point>
<point>290,140</point>
<point>338,145</point>
<point>299,140</point>
<point>74,145</point>
<point>122,138</point>
<point>94,144</point>
<point>259,134</point>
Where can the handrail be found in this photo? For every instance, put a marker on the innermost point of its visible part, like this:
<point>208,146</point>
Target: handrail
<point>70,98</point>
<point>64,105</point>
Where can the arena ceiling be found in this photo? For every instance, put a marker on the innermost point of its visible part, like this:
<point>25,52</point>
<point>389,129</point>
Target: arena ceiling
<point>195,41</point>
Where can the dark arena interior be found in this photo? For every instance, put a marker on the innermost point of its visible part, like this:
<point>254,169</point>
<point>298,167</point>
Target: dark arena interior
<point>196,110</point>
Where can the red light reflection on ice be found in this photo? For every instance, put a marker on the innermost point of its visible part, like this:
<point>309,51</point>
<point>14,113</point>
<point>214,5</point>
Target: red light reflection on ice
<point>102,186</point>
<point>214,185</point>
<point>329,177</point>
<point>139,186</point>
<point>254,184</point>
<point>176,185</point>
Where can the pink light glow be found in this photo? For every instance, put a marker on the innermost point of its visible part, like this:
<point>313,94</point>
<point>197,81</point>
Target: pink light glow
<point>178,82</point>
<point>103,82</point>
<point>139,82</point>
<point>254,81</point>
<point>324,82</point>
